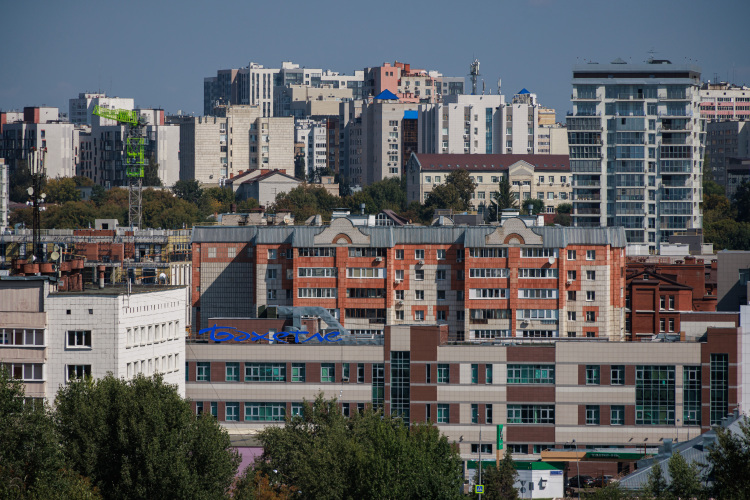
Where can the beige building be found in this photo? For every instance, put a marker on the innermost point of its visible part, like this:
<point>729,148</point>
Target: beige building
<point>552,139</point>
<point>262,185</point>
<point>546,177</point>
<point>302,101</point>
<point>215,148</point>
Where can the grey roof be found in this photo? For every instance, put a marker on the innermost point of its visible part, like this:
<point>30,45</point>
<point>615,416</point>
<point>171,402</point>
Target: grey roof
<point>389,236</point>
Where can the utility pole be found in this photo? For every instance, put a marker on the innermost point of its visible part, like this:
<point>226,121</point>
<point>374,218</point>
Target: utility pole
<point>38,173</point>
<point>480,460</point>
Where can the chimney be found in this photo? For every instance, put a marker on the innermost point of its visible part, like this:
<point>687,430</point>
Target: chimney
<point>101,276</point>
<point>362,208</point>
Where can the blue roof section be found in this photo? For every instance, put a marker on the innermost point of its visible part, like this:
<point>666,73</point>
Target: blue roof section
<point>387,95</point>
<point>411,114</point>
<point>524,91</point>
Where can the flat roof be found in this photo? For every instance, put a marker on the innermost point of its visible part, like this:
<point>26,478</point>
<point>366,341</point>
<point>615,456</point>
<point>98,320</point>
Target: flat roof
<point>120,289</point>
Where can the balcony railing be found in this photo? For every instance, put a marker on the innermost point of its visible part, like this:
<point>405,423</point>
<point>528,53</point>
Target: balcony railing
<point>586,211</point>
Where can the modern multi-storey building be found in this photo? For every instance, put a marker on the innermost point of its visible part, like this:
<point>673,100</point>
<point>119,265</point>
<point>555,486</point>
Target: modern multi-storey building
<point>4,195</point>
<point>234,139</point>
<point>484,281</point>
<point>636,148</point>
<point>41,127</point>
<point>49,336</point>
<point>725,140</point>
<point>540,396</point>
<point>544,177</point>
<point>81,108</point>
<point>724,101</point>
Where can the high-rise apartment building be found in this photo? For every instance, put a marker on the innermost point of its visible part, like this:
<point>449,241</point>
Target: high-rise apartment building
<point>636,148</point>
<point>724,101</point>
<point>724,140</point>
<point>81,108</point>
<point>4,193</point>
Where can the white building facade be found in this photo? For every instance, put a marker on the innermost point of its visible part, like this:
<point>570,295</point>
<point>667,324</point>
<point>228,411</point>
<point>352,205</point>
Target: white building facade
<point>81,108</point>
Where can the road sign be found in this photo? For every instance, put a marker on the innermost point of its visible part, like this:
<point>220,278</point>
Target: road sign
<point>479,488</point>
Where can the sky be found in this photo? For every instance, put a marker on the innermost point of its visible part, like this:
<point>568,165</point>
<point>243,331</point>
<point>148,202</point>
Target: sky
<point>158,52</point>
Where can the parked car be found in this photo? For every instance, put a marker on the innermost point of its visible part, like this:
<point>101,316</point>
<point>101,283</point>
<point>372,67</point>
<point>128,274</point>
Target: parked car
<point>580,481</point>
<point>602,481</point>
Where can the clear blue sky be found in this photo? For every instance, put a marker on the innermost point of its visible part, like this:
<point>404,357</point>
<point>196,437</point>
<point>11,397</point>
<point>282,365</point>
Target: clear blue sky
<point>158,52</point>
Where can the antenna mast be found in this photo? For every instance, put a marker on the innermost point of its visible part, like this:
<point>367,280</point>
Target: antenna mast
<point>474,73</point>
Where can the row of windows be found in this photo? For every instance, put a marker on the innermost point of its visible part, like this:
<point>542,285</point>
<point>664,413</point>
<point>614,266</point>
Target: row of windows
<point>21,337</point>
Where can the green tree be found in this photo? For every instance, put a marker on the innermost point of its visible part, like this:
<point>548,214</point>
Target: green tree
<point>742,202</point>
<point>151,173</point>
<point>729,463</point>
<point>537,206</point>
<point>31,459</point>
<point>499,481</point>
<point>686,478</point>
<point>385,458</point>
<point>62,190</point>
<point>504,199</point>
<point>299,167</point>
<point>711,187</point>
<point>562,217</point>
<point>188,190</point>
<point>656,487</point>
<point>455,194</point>
<point>612,491</point>
<point>20,181</point>
<point>254,485</point>
<point>306,200</point>
<point>139,439</point>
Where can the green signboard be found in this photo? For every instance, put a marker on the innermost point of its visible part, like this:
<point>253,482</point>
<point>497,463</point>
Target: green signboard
<point>499,436</point>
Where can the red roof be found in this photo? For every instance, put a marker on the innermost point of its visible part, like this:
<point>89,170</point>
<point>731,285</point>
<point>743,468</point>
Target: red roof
<point>476,162</point>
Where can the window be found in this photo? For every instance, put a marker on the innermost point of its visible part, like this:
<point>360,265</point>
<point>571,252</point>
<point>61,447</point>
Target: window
<point>485,447</point>
<point>441,254</point>
<point>443,414</point>
<point>203,371</point>
<point>419,275</point>
<point>399,275</point>
<point>400,315</point>
<point>271,274</point>
<point>590,316</point>
<point>296,409</point>
<point>365,272</point>
<point>488,374</point>
<point>691,395</point>
<point>531,374</point>
<point>419,294</point>
<point>265,372</point>
<point>518,448</point>
<point>327,372</point>
<point>214,409</point>
<point>590,254</point>
<point>271,254</point>
<point>531,414</point>
<point>590,295</point>
<point>571,315</point>
<point>440,275</point>
<point>592,374</point>
<point>298,372</point>
<point>418,315</point>
<point>441,315</point>
<point>591,275</point>
<point>443,374</point>
<point>441,294</point>
<point>233,412</point>
<point>360,373</point>
<point>654,395</point>
<point>74,371</point>
<point>571,275</point>
<point>488,414</point>
<point>571,255</point>
<point>419,254</point>
<point>79,338</point>
<point>671,302</point>
<point>474,374</point>
<point>616,415</point>
<point>198,406</point>
<point>592,414</point>
<point>399,255</point>
<point>268,412</point>
<point>211,252</point>
<point>233,372</point>
<point>617,375</point>
<point>590,335</point>
<point>719,387</point>
<point>571,295</point>
<point>316,272</point>
<point>488,273</point>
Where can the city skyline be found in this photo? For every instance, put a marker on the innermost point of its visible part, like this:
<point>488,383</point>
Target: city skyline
<point>125,52</point>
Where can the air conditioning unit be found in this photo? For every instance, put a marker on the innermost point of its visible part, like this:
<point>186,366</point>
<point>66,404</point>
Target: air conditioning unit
<point>400,303</point>
<point>378,259</point>
<point>567,185</point>
<point>345,379</point>
<point>420,262</point>
<point>569,282</point>
<point>459,259</point>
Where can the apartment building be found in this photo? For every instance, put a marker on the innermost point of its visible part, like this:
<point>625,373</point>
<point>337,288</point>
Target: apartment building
<point>484,281</point>
<point>544,177</point>
<point>49,336</point>
<point>724,101</point>
<point>4,195</point>
<point>102,149</point>
<point>81,108</point>
<point>41,127</point>
<point>236,138</point>
<point>726,140</point>
<point>540,396</point>
<point>636,148</point>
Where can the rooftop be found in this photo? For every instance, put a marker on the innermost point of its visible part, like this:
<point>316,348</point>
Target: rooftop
<point>121,289</point>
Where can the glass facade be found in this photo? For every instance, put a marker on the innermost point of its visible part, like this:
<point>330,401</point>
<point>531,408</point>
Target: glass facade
<point>400,377</point>
<point>719,387</point>
<point>531,414</point>
<point>265,372</point>
<point>655,395</point>
<point>691,395</point>
<point>378,385</point>
<point>531,374</point>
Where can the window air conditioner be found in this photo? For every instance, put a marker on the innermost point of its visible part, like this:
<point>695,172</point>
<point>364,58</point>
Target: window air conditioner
<point>420,262</point>
<point>378,259</point>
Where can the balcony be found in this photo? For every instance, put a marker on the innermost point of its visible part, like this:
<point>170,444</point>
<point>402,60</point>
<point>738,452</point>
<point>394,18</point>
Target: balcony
<point>592,183</point>
<point>587,197</point>
<point>587,211</point>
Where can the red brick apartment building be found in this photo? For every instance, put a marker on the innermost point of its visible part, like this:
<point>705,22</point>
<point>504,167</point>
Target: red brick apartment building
<point>484,282</point>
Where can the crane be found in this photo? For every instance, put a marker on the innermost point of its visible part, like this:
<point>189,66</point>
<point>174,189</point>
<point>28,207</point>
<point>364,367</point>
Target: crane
<point>134,156</point>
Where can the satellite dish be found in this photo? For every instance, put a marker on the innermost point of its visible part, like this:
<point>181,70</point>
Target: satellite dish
<point>551,260</point>
<point>54,255</point>
<point>56,248</point>
<point>30,191</point>
<point>44,195</point>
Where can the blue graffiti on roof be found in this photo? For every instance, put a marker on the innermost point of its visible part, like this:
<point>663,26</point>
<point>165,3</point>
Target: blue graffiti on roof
<point>224,333</point>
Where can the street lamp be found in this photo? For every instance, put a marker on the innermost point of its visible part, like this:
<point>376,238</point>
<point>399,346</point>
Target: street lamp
<point>578,471</point>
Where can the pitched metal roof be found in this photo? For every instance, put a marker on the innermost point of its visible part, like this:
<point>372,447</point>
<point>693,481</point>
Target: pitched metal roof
<point>478,163</point>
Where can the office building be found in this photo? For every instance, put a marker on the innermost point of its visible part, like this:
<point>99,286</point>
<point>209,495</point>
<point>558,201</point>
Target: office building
<point>726,140</point>
<point>636,148</point>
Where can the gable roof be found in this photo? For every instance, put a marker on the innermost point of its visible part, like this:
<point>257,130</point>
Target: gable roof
<point>269,174</point>
<point>497,162</point>
<point>649,272</point>
<point>387,95</point>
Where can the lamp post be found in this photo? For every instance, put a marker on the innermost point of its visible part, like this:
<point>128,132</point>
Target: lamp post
<point>578,471</point>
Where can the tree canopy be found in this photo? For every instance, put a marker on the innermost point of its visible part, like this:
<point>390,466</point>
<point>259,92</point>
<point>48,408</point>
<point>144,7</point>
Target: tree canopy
<point>324,454</point>
<point>499,481</point>
<point>139,439</point>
